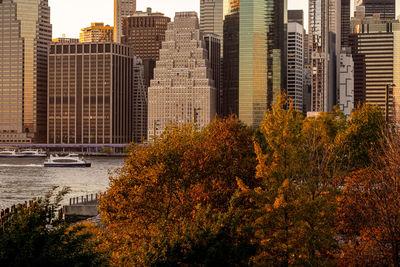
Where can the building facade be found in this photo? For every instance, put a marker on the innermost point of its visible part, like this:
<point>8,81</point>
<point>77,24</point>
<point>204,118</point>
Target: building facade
<point>25,32</point>
<point>376,58</point>
<point>97,32</point>
<point>230,84</point>
<point>212,15</point>
<point>296,16</point>
<point>145,32</point>
<point>262,66</point>
<point>122,9</point>
<point>295,64</point>
<point>386,8</point>
<point>346,86</point>
<point>182,90</point>
<point>324,41</point>
<point>95,94</point>
<point>213,47</point>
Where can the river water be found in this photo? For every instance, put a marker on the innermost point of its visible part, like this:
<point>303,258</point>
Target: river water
<point>24,179</point>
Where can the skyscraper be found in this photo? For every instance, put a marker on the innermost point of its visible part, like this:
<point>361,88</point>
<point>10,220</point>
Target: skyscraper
<point>346,86</point>
<point>122,9</point>
<point>386,8</point>
<point>213,47</point>
<point>262,57</point>
<point>182,90</point>
<point>145,32</point>
<point>296,16</point>
<point>97,32</point>
<point>376,54</point>
<point>25,32</point>
<point>295,64</point>
<point>95,94</point>
<point>324,40</point>
<point>230,87</point>
<point>345,22</point>
<point>212,13</point>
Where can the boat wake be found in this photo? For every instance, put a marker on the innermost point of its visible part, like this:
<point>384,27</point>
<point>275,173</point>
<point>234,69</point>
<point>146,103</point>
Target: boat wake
<point>22,166</point>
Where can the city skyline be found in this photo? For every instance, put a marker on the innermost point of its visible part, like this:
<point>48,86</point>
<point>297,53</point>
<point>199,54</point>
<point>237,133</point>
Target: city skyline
<point>103,11</point>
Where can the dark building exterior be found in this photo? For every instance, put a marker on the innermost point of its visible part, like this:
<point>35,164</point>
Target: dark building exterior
<point>25,32</point>
<point>95,94</point>
<point>230,88</point>
<point>345,22</point>
<point>145,32</point>
<point>213,46</point>
<point>386,8</point>
<point>296,16</point>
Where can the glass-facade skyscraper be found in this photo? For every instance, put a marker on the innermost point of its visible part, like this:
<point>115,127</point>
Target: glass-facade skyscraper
<point>25,32</point>
<point>262,64</point>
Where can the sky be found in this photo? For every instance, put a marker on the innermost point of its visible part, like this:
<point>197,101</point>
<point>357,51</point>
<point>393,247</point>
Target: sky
<point>70,16</point>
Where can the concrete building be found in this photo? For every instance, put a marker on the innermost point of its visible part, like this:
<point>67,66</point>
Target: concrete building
<point>122,9</point>
<point>295,64</point>
<point>95,94</point>
<point>213,47</point>
<point>97,32</point>
<point>145,32</point>
<point>182,90</point>
<point>230,87</point>
<point>376,54</point>
<point>346,86</point>
<point>262,59</point>
<point>25,32</point>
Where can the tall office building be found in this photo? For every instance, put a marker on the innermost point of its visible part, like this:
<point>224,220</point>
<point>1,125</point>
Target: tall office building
<point>213,47</point>
<point>122,9</point>
<point>262,48</point>
<point>97,32</point>
<point>345,22</point>
<point>386,8</point>
<point>145,32</point>
<point>295,64</point>
<point>324,40</point>
<point>95,94</point>
<point>212,14</point>
<point>376,58</point>
<point>230,85</point>
<point>182,90</point>
<point>25,32</point>
<point>296,16</point>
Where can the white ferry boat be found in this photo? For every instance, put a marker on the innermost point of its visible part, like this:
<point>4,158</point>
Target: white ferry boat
<point>70,161</point>
<point>31,154</point>
<point>9,154</point>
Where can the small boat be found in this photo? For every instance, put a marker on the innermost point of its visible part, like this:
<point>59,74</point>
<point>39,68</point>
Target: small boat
<point>70,161</point>
<point>9,154</point>
<point>31,154</point>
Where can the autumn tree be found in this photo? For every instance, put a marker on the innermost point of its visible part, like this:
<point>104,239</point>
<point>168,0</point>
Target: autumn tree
<point>293,208</point>
<point>161,185</point>
<point>369,215</point>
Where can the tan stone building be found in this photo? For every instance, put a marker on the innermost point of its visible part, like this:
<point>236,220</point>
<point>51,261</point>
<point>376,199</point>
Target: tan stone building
<point>182,90</point>
<point>97,32</point>
<point>122,9</point>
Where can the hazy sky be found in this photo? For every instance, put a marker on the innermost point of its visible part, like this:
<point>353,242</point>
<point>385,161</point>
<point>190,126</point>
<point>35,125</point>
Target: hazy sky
<point>69,16</point>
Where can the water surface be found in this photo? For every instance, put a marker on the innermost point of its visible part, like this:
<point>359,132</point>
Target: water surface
<point>23,179</point>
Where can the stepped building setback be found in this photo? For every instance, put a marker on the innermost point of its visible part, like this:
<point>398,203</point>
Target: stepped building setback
<point>182,90</point>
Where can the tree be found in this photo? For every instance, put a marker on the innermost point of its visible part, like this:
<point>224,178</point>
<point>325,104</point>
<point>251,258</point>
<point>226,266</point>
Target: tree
<point>361,137</point>
<point>293,209</point>
<point>35,237</point>
<point>369,214</point>
<point>161,185</point>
